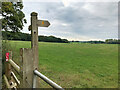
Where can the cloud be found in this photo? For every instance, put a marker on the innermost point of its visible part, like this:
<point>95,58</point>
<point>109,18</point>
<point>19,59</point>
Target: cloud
<point>79,20</point>
<point>69,1</point>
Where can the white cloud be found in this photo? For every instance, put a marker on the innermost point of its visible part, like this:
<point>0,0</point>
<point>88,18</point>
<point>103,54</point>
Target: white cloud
<point>66,3</point>
<point>89,7</point>
<point>100,25</point>
<point>64,24</point>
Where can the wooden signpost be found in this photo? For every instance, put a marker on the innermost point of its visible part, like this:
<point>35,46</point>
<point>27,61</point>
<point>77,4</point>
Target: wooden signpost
<point>32,53</point>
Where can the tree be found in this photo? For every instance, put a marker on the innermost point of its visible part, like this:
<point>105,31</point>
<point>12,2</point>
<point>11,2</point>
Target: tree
<point>13,17</point>
<point>112,41</point>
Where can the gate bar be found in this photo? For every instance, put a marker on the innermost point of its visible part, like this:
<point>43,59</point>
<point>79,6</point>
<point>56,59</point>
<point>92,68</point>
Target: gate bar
<point>18,82</point>
<point>34,80</point>
<point>6,81</point>
<point>47,80</point>
<point>16,67</point>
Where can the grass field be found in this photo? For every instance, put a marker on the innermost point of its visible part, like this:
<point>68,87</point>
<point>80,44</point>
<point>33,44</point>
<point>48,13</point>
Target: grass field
<point>75,65</point>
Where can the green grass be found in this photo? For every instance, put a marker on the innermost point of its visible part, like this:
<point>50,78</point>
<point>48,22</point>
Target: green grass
<point>75,65</point>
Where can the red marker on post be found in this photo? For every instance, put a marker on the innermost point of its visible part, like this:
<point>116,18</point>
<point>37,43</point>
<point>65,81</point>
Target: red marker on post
<point>7,57</point>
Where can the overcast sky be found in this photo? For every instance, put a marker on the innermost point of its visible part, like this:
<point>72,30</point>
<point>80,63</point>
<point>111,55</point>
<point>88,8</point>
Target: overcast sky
<point>75,20</point>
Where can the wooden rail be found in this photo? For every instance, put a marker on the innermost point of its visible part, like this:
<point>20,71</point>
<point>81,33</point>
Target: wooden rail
<point>18,82</point>
<point>16,67</point>
<point>6,81</point>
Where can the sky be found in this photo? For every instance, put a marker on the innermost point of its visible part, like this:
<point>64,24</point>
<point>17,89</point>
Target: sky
<point>75,20</point>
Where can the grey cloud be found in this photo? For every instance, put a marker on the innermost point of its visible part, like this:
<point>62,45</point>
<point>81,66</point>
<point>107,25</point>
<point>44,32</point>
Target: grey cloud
<point>102,19</point>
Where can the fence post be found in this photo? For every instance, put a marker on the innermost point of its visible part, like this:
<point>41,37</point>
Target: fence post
<point>27,67</point>
<point>8,67</point>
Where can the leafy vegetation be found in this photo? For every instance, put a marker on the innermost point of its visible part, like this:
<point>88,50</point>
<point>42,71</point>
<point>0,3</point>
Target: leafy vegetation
<point>92,42</point>
<point>112,41</point>
<point>76,65</point>
<point>13,17</point>
<point>107,41</point>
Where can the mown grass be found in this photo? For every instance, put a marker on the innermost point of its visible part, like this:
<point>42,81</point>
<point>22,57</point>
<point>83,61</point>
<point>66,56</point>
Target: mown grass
<point>75,65</point>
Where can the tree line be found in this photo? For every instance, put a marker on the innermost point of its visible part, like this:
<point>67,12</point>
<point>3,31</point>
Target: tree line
<point>92,42</point>
<point>10,35</point>
<point>107,41</point>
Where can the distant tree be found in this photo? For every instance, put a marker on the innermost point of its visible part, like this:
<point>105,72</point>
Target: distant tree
<point>65,40</point>
<point>13,17</point>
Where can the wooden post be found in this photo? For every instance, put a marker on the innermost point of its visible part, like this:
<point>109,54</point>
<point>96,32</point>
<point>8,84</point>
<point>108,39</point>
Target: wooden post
<point>1,49</point>
<point>34,43</point>
<point>27,68</point>
<point>8,67</point>
<point>29,56</point>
